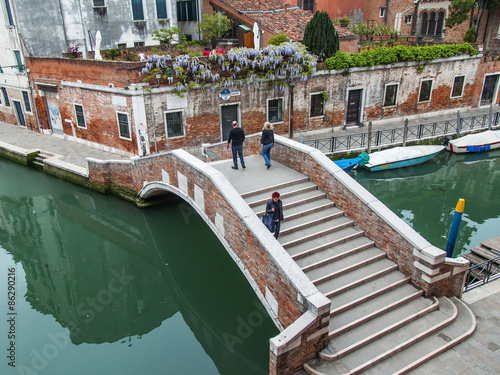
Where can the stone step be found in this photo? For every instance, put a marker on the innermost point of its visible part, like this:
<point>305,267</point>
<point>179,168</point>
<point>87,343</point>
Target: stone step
<point>286,193</point>
<point>350,251</point>
<point>273,188</point>
<point>298,200</point>
<point>431,346</point>
<point>314,206</point>
<point>306,234</point>
<point>309,221</point>
<point>396,317</point>
<point>356,278</point>
<point>301,249</point>
<point>333,267</point>
<point>390,344</point>
<point>362,293</point>
<point>391,306</point>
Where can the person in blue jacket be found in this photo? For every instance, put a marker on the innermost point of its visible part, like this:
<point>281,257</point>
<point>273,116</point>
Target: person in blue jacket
<point>275,208</point>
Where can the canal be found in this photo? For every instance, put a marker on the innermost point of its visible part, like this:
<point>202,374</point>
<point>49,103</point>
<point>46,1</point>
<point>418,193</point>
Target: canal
<point>103,287</point>
<point>425,196</point>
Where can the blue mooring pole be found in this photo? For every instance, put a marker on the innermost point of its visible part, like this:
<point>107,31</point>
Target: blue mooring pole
<point>457,218</point>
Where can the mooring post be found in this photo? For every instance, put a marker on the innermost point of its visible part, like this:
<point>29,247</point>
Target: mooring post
<point>405,132</point>
<point>455,224</point>
<point>458,124</point>
<point>369,137</point>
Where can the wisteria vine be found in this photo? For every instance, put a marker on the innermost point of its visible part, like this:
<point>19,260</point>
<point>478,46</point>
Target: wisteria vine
<point>274,65</point>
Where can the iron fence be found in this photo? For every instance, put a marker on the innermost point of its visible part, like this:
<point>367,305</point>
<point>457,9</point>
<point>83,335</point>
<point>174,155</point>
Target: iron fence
<point>390,137</point>
<point>482,273</point>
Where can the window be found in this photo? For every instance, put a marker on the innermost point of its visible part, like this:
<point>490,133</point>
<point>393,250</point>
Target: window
<point>408,18</point>
<point>9,13</point>
<point>161,9</point>
<point>391,94</point>
<point>26,100</point>
<point>458,87</point>
<point>317,105</point>
<point>308,5</point>
<point>99,3</point>
<point>138,44</point>
<point>432,24</point>
<point>275,110</point>
<point>19,61</point>
<point>137,10</point>
<point>122,45</point>
<point>187,10</point>
<point>80,118</point>
<point>173,124</point>
<point>123,126</point>
<point>381,12</point>
<point>5,97</point>
<point>425,90</point>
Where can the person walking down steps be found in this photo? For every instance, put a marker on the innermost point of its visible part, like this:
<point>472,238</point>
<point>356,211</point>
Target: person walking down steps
<point>267,140</point>
<point>236,136</point>
<point>275,208</point>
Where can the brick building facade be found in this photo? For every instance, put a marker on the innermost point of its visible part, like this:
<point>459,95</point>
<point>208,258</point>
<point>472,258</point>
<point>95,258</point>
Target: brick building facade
<point>104,104</point>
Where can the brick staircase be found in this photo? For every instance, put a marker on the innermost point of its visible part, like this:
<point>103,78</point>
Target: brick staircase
<point>379,322</point>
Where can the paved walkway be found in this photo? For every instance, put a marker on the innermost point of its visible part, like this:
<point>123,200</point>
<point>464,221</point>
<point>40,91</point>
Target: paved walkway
<point>480,354</point>
<point>71,152</point>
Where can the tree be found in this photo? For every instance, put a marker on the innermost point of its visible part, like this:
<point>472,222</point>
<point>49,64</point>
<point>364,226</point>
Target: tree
<point>461,10</point>
<point>167,36</point>
<point>214,26</point>
<point>320,36</point>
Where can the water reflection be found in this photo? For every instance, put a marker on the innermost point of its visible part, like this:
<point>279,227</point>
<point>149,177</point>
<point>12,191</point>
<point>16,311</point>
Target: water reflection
<point>112,273</point>
<point>426,195</point>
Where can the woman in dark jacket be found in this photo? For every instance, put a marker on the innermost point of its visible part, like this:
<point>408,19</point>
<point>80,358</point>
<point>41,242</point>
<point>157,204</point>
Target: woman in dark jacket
<point>275,208</point>
<point>267,141</point>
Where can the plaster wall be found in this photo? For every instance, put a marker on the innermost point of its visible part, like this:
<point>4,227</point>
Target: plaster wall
<point>66,23</point>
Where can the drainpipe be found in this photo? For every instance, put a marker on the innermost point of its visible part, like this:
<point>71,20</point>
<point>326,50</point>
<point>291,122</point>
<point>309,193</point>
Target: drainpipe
<point>33,99</point>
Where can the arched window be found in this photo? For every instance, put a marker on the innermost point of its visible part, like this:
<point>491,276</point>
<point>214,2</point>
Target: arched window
<point>425,23</point>
<point>440,24</point>
<point>432,24</point>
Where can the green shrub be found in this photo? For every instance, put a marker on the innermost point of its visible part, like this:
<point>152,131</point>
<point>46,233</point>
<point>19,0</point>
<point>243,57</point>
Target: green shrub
<point>278,39</point>
<point>195,54</point>
<point>111,53</point>
<point>344,21</point>
<point>470,35</point>
<point>384,55</point>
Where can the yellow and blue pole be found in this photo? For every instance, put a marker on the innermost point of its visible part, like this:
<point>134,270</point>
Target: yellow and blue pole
<point>457,218</point>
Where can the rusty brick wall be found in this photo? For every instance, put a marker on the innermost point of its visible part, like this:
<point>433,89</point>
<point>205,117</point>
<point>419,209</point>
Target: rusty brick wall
<point>119,73</point>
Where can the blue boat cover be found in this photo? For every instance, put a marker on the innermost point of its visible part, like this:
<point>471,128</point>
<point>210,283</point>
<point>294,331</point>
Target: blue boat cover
<point>478,148</point>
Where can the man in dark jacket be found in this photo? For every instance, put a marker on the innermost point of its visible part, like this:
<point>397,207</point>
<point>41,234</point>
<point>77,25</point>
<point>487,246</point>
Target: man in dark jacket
<point>237,136</point>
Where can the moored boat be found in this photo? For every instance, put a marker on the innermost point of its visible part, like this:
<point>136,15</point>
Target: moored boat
<point>400,157</point>
<point>478,142</point>
<point>347,164</point>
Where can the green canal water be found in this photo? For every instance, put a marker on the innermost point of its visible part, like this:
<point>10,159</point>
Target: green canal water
<point>102,287</point>
<point>425,196</point>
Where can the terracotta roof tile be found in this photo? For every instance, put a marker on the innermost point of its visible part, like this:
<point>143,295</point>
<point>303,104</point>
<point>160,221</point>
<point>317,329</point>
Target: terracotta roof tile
<point>292,21</point>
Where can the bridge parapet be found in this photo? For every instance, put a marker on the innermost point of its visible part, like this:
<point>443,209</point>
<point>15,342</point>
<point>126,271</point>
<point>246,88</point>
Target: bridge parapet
<point>298,309</point>
<point>426,264</point>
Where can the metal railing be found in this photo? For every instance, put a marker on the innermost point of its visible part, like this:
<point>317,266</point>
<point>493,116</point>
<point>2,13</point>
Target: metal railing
<point>482,273</point>
<point>395,136</point>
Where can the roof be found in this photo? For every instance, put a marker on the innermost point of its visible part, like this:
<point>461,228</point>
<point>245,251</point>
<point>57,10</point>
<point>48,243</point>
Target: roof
<point>276,16</point>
